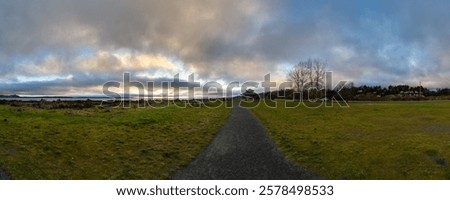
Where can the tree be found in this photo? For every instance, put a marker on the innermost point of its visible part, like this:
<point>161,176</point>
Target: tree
<point>309,73</point>
<point>318,72</point>
<point>250,93</point>
<point>299,75</point>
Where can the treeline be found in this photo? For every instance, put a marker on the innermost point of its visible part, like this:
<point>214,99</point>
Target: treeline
<point>308,81</point>
<point>365,93</point>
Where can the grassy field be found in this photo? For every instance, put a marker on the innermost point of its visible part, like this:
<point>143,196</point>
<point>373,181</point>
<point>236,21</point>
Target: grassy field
<point>386,140</point>
<point>99,143</point>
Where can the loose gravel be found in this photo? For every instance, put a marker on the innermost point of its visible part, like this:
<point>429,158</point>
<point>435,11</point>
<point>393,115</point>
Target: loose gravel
<point>242,150</point>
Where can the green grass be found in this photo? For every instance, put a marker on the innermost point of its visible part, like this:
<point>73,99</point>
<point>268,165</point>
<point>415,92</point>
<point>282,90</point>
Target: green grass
<point>103,144</point>
<point>386,140</point>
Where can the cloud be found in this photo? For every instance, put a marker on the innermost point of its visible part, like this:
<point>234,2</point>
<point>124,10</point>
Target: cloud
<point>370,42</point>
<point>95,37</point>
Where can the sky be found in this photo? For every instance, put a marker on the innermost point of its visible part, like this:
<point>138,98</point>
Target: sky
<point>72,47</point>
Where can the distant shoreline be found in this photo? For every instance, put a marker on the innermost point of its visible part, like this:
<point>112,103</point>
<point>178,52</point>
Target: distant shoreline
<point>100,99</point>
<point>54,98</point>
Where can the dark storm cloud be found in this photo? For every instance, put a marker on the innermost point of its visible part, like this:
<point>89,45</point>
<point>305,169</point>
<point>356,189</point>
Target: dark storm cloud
<point>379,42</point>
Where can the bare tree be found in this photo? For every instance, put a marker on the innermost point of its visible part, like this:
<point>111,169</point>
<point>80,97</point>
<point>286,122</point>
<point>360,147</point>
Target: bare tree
<point>299,75</point>
<point>318,71</point>
<point>308,75</point>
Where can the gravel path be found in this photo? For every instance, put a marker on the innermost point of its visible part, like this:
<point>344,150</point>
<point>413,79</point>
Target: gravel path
<point>241,150</point>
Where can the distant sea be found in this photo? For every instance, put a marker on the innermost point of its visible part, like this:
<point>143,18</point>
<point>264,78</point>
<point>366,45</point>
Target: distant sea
<point>79,98</point>
<point>56,98</point>
<point>132,98</point>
